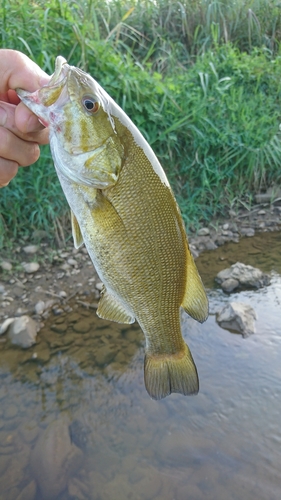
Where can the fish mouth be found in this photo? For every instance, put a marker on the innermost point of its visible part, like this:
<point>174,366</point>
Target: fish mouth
<point>54,93</point>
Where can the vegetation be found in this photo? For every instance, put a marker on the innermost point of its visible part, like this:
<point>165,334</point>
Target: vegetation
<point>200,78</point>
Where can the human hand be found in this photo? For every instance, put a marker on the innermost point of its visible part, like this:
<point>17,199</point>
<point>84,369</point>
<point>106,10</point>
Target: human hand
<point>20,130</point>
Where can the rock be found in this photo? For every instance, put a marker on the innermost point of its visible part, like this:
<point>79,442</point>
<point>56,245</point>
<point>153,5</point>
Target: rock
<point>82,326</point>
<point>30,267</point>
<point>5,325</point>
<point>238,317</point>
<point>65,266</point>
<point>54,459</point>
<point>72,262</point>
<point>99,286</point>
<point>59,327</point>
<point>30,249</point>
<point>2,289</point>
<point>229,285</point>
<point>210,244</point>
<point>23,331</point>
<point>247,231</point>
<point>29,431</point>
<point>39,307</point>
<point>104,355</point>
<point>28,493</point>
<point>271,194</point>
<point>247,276</point>
<point>204,231</point>
<point>6,266</point>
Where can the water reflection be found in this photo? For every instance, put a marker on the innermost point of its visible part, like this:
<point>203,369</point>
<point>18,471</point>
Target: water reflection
<point>77,423</point>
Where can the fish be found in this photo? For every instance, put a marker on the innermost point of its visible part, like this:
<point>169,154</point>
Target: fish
<point>123,209</point>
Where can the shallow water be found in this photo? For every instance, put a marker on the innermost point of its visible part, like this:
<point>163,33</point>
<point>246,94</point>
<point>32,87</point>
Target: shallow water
<point>85,377</point>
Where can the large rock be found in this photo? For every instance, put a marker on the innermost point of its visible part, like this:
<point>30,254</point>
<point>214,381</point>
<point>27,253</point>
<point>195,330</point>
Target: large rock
<point>237,317</point>
<point>55,459</point>
<point>243,275</point>
<point>22,331</point>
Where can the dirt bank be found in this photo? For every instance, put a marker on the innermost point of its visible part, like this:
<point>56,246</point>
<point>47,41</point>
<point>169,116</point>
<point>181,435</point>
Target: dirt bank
<point>59,275</point>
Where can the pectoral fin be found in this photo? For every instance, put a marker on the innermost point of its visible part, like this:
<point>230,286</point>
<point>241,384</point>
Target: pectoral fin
<point>76,232</point>
<point>110,308</point>
<point>195,301</point>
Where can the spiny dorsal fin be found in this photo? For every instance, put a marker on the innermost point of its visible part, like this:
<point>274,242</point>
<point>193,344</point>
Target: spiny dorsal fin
<point>76,232</point>
<point>195,301</point>
<point>110,308</point>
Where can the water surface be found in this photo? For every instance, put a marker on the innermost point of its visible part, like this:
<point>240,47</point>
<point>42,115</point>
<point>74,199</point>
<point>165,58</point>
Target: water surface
<point>86,374</point>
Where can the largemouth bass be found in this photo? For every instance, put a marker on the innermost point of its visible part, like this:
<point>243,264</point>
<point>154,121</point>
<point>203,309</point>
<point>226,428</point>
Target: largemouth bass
<point>124,210</point>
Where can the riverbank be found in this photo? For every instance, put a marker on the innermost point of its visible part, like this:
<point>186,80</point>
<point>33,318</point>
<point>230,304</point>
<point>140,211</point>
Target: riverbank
<point>36,279</point>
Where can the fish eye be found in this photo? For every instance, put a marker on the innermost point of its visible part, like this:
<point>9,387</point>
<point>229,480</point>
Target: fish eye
<point>90,104</point>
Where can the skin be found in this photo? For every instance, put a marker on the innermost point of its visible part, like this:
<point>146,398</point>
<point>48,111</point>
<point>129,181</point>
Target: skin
<point>20,131</point>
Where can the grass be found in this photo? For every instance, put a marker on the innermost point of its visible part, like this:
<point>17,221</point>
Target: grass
<point>201,80</point>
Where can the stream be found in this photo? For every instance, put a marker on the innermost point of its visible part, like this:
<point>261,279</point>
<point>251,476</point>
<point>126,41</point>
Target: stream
<point>76,422</point>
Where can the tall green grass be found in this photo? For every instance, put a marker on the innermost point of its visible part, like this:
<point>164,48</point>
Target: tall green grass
<point>201,79</point>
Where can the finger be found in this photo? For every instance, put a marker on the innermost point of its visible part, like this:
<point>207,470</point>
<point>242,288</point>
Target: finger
<point>18,71</point>
<point>13,148</point>
<point>8,170</point>
<point>9,119</point>
<point>28,123</point>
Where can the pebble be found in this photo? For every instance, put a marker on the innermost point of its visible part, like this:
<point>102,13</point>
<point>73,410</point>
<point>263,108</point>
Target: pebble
<point>65,266</point>
<point>5,325</point>
<point>6,266</point>
<point>82,326</point>
<point>229,285</point>
<point>29,431</point>
<point>72,262</point>
<point>59,328</point>
<point>39,307</point>
<point>30,267</point>
<point>30,249</point>
<point>57,311</point>
<point>99,286</point>
<point>104,355</point>
<point>2,289</point>
<point>204,231</point>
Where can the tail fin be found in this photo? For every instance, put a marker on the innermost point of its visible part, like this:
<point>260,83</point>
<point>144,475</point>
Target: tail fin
<point>167,373</point>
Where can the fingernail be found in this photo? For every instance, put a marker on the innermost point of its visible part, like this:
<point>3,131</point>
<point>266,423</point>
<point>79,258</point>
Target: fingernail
<point>3,116</point>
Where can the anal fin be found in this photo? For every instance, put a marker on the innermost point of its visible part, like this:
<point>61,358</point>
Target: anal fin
<point>110,308</point>
<point>195,301</point>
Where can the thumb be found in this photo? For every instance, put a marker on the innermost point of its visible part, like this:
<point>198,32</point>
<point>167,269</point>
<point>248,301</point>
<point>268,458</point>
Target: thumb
<point>17,70</point>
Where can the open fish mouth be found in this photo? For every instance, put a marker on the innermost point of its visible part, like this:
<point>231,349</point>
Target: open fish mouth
<point>55,92</point>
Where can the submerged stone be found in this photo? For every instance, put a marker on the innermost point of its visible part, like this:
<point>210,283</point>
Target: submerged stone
<point>237,317</point>
<point>55,459</point>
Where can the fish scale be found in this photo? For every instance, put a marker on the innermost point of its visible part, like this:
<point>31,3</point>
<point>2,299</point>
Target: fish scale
<point>124,210</point>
